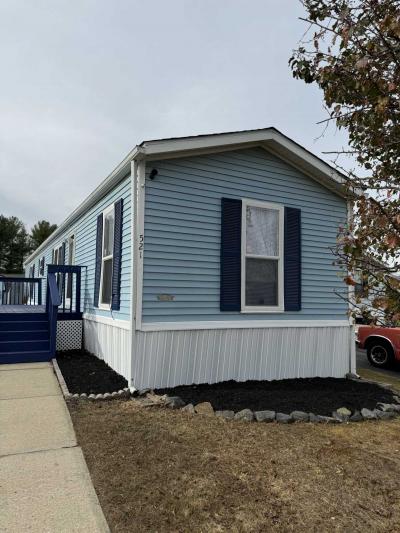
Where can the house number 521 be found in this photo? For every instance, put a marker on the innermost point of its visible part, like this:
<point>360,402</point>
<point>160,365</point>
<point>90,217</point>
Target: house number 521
<point>141,244</point>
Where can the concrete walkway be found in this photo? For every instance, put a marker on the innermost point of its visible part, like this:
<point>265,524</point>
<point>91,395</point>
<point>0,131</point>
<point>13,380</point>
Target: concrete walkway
<point>45,486</point>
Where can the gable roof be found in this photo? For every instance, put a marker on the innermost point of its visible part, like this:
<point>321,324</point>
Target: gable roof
<point>269,138</point>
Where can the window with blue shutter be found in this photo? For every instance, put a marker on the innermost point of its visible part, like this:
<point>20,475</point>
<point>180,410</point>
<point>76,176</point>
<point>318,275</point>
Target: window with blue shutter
<point>108,257</point>
<point>260,257</point>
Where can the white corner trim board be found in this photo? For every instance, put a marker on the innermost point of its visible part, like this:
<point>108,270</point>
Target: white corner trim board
<point>139,239</point>
<point>122,324</point>
<point>242,324</point>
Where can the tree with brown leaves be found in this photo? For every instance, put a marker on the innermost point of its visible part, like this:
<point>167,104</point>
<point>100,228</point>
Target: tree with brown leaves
<point>352,52</point>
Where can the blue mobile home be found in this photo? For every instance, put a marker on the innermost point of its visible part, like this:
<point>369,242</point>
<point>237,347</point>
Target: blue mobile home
<point>210,258</point>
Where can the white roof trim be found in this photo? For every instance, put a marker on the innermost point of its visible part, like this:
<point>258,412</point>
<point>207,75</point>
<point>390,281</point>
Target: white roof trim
<point>269,138</point>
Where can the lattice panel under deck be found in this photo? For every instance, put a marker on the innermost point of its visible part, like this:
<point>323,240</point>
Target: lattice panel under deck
<point>69,335</point>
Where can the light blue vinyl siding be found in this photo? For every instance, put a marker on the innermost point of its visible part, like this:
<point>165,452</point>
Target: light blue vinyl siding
<point>85,251</point>
<point>182,234</point>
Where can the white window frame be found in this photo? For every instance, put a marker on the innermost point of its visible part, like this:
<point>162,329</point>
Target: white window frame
<point>71,238</point>
<point>280,258</point>
<point>57,250</point>
<point>102,305</point>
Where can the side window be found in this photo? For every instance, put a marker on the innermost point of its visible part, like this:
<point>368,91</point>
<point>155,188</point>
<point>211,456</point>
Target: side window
<point>262,256</point>
<point>107,257</point>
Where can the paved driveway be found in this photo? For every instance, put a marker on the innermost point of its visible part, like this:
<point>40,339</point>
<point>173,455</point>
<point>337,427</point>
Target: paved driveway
<point>368,371</point>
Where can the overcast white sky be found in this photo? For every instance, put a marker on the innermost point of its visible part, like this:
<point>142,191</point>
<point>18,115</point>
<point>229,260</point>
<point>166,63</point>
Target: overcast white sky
<point>83,81</point>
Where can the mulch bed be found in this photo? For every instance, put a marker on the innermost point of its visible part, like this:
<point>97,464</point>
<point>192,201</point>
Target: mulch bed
<point>316,395</point>
<point>84,372</point>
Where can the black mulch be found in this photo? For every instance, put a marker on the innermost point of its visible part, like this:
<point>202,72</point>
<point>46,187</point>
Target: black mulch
<point>315,395</point>
<point>83,372</point>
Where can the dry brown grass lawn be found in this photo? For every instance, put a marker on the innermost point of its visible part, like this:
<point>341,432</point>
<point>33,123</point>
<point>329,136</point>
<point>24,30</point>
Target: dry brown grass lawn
<point>162,471</point>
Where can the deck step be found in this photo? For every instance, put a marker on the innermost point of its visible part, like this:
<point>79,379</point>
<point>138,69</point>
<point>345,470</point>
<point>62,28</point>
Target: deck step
<point>26,317</point>
<point>25,357</point>
<point>23,325</point>
<point>24,345</point>
<point>25,335</point>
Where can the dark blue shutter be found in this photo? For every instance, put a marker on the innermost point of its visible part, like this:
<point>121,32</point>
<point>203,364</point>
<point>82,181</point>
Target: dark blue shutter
<point>99,251</point>
<point>116,273</point>
<point>62,254</point>
<point>292,259</point>
<point>231,239</point>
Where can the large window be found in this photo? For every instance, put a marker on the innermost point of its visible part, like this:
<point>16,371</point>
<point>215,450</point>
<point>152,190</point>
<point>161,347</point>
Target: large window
<point>107,258</point>
<point>262,257</point>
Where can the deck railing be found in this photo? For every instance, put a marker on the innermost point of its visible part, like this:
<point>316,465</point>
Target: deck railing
<point>68,281</point>
<point>20,291</point>
<point>52,303</point>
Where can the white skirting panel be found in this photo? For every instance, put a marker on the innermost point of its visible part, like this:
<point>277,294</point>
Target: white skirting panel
<point>110,343</point>
<point>170,358</point>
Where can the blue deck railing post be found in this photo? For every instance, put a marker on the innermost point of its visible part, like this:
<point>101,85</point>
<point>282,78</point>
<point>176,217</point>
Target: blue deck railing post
<point>40,292</point>
<point>78,292</point>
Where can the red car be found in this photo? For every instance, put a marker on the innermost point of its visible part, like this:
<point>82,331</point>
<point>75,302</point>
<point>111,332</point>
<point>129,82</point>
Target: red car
<point>382,344</point>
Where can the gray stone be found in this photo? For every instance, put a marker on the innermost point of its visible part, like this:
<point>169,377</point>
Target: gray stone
<point>114,394</point>
<point>384,415</point>
<point>342,414</point>
<point>106,395</point>
<point>189,408</point>
<point>351,375</point>
<point>356,417</point>
<point>76,396</point>
<point>143,392</point>
<point>99,396</point>
<point>396,398</point>
<point>314,418</point>
<point>367,414</point>
<point>283,418</point>
<point>92,396</point>
<point>204,408</point>
<point>174,402</point>
<point>300,416</point>
<point>83,395</point>
<point>385,406</point>
<point>228,415</point>
<point>121,392</point>
<point>395,407</point>
<point>156,398</point>
<point>343,411</point>
<point>265,416</point>
<point>245,414</point>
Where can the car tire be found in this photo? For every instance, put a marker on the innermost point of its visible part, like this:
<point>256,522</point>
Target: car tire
<point>380,353</point>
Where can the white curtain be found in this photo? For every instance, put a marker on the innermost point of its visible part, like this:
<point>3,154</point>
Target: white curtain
<point>262,230</point>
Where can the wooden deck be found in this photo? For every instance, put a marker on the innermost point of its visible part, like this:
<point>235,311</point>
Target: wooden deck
<point>22,309</point>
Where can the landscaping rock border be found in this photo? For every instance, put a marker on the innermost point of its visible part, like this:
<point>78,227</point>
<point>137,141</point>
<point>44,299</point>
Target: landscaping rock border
<point>123,393</point>
<point>382,411</point>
